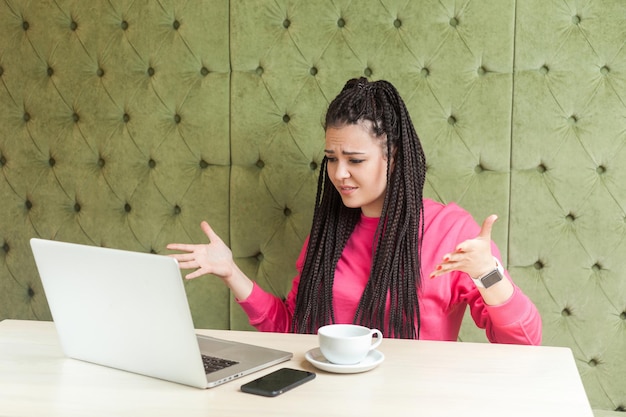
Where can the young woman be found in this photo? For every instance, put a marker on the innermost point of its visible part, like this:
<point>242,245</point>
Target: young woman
<point>379,254</point>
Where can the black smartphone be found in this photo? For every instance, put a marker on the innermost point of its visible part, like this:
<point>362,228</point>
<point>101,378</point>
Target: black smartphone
<point>277,382</point>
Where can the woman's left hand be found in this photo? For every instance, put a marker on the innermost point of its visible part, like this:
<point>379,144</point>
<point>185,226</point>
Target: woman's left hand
<point>472,256</point>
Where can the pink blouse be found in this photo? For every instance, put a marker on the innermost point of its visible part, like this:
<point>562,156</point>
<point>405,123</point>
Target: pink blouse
<point>443,300</point>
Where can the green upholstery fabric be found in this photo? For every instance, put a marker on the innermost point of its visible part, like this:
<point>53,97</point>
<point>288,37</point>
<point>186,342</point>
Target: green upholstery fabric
<point>126,123</point>
<point>114,131</point>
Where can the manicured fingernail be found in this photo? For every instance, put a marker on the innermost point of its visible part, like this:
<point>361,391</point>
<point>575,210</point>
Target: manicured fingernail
<point>438,267</point>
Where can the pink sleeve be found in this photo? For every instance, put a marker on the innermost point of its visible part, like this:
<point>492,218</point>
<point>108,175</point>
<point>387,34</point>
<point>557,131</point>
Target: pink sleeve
<point>517,321</point>
<point>269,313</point>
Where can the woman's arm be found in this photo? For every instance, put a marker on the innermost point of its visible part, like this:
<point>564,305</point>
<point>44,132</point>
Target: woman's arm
<point>505,312</point>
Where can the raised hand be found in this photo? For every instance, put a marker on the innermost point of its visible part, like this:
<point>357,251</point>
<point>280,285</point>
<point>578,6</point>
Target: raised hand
<point>472,256</point>
<point>212,258</point>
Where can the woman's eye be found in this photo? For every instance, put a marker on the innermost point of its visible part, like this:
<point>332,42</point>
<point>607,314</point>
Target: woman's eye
<point>331,159</point>
<point>357,161</point>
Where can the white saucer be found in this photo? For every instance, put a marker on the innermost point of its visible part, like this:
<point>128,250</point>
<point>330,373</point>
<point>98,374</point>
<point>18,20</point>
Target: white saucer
<point>372,360</point>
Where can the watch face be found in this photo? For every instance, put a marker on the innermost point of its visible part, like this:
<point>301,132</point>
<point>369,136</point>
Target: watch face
<point>491,278</point>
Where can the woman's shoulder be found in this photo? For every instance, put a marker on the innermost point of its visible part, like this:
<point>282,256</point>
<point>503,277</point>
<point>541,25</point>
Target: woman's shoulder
<point>435,208</point>
<point>446,216</point>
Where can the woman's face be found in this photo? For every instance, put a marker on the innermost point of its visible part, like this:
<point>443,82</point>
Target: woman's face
<point>357,167</point>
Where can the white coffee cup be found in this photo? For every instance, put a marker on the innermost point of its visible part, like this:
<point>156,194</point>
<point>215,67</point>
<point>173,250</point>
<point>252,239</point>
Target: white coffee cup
<point>347,344</point>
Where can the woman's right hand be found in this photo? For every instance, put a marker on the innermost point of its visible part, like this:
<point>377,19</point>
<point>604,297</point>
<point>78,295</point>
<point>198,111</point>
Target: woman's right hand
<point>212,258</point>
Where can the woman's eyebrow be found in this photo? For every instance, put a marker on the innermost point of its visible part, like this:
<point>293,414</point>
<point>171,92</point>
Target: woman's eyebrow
<point>345,152</point>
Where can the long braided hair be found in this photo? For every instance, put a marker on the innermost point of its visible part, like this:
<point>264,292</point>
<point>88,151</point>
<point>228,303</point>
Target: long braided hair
<point>395,273</point>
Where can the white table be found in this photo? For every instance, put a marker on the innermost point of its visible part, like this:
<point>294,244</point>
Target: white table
<point>417,378</point>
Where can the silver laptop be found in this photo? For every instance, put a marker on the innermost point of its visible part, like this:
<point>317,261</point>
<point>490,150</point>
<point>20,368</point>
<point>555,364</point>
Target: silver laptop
<point>129,311</point>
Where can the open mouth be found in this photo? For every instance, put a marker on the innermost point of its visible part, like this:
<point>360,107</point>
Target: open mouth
<point>346,189</point>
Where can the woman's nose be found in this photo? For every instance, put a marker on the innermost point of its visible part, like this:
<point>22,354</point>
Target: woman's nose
<point>342,171</point>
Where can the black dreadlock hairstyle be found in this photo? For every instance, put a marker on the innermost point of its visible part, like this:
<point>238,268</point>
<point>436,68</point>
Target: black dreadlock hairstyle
<point>395,274</point>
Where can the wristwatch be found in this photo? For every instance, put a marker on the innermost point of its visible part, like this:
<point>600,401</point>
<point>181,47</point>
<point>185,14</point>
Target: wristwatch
<point>490,278</point>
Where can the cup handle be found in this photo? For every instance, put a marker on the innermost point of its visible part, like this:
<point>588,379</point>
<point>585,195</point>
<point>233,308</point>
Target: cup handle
<point>379,339</point>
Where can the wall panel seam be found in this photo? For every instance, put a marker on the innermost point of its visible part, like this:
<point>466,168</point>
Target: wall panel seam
<point>511,121</point>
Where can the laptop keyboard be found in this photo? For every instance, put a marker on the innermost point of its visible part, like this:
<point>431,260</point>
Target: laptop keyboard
<point>212,364</point>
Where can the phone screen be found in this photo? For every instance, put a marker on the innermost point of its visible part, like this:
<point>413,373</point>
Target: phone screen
<point>277,382</point>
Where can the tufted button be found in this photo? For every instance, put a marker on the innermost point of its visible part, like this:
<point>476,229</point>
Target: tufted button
<point>596,267</point>
<point>25,25</point>
<point>313,71</point>
<point>541,168</point>
<point>454,22</point>
<point>286,118</point>
<point>177,118</point>
<point>28,205</point>
<point>26,116</point>
<point>3,160</point>
<point>5,247</point>
<point>126,118</point>
<point>259,70</point>
<point>101,162</point>
<point>177,209</point>
<point>576,19</point>
<point>544,69</point>
<point>259,257</point>
<point>152,163</point>
<point>451,120</point>
<point>570,218</point>
<point>600,169</point>
<point>1,71</point>
<point>572,120</point>
<point>77,207</point>
<point>75,117</point>
<point>50,71</point>
<point>30,292</point>
<point>127,208</point>
<point>481,70</point>
<point>566,312</point>
<point>538,265</point>
<point>623,315</point>
<point>478,169</point>
<point>52,162</point>
<point>593,362</point>
<point>203,164</point>
<point>367,72</point>
<point>124,25</point>
<point>204,71</point>
<point>605,70</point>
<point>287,212</point>
<point>100,72</point>
<point>176,25</point>
<point>150,71</point>
<point>397,23</point>
<point>286,23</point>
<point>424,72</point>
<point>73,25</point>
<point>260,164</point>
<point>313,165</point>
<point>341,22</point>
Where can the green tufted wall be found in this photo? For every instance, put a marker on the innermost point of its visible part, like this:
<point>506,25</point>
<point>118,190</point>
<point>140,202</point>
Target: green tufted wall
<point>125,123</point>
